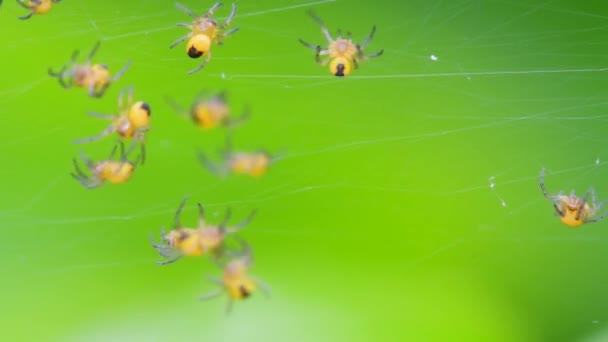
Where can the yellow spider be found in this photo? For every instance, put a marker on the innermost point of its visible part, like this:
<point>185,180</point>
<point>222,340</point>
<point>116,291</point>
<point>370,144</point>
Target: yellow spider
<point>132,121</point>
<point>35,6</point>
<point>95,77</point>
<point>210,111</point>
<point>110,170</point>
<point>343,54</point>
<point>204,31</point>
<point>254,163</point>
<point>201,240</point>
<point>573,210</point>
<point>235,282</point>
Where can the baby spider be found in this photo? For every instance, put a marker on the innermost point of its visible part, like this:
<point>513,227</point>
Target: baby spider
<point>204,31</point>
<point>573,210</point>
<point>36,7</point>
<point>210,111</point>
<point>342,54</point>
<point>131,122</point>
<point>95,77</point>
<point>201,240</point>
<point>254,163</point>
<point>236,283</point>
<point>110,170</point>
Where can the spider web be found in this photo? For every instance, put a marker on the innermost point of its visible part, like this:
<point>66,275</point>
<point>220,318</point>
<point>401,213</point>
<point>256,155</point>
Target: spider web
<point>406,195</point>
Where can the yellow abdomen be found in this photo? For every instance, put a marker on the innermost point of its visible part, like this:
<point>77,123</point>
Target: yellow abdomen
<point>44,7</point>
<point>117,172</point>
<point>571,221</point>
<point>190,246</point>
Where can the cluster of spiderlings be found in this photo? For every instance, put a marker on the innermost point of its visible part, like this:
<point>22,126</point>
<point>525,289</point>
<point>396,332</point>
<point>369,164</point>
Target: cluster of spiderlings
<point>210,239</point>
<point>132,122</point>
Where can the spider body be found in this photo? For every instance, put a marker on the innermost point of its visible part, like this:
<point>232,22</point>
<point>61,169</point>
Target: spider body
<point>209,112</point>
<point>202,240</point>
<point>132,121</point>
<point>236,282</point>
<point>572,210</point>
<point>254,163</point>
<point>96,78</point>
<point>204,31</point>
<point>342,53</point>
<point>36,7</point>
<point>110,170</point>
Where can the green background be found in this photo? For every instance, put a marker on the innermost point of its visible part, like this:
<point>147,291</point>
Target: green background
<point>379,224</point>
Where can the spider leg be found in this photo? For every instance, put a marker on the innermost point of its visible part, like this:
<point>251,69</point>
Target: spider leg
<point>130,95</point>
<point>186,25</point>
<point>109,130</point>
<point>230,17</point>
<point>368,38</point>
<point>231,122</point>
<point>229,32</point>
<point>596,219</point>
<point>90,164</point>
<point>170,261</point>
<point>541,182</point>
<point>216,281</point>
<point>227,216</point>
<point>373,55</point>
<point>339,34</point>
<point>263,286</point>
<point>121,97</point>
<point>558,211</point>
<point>201,65</point>
<point>323,27</point>
<point>102,116</point>
<point>243,223</point>
<point>155,244</point>
<point>177,107</point>
<point>27,16</point>
<point>210,166</point>
<point>214,8</point>
<point>211,295</point>
<point>229,306</point>
<point>89,184</point>
<point>78,170</point>
<point>93,52</point>
<point>308,45</point>
<point>581,207</point>
<point>180,40</point>
<point>121,72</point>
<point>113,152</point>
<point>176,222</point>
<point>201,215</point>
<point>20,2</point>
<point>185,10</point>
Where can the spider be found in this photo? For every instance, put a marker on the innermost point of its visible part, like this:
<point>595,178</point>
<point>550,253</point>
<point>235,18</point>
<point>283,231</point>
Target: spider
<point>95,77</point>
<point>235,282</point>
<point>573,210</point>
<point>201,240</point>
<point>254,163</point>
<point>35,6</point>
<point>342,53</point>
<point>131,123</point>
<point>109,170</point>
<point>204,31</point>
<point>210,111</point>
